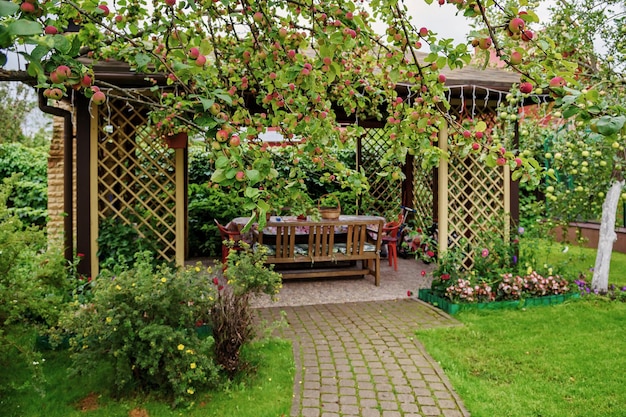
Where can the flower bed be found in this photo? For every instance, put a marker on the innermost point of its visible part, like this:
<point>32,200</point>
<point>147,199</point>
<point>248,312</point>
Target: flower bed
<point>451,307</point>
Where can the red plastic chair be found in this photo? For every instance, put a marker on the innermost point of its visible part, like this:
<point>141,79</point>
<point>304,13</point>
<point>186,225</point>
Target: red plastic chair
<point>390,238</point>
<point>226,234</point>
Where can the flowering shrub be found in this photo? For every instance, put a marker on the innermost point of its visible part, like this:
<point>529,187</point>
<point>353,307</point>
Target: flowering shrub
<point>509,287</point>
<point>142,320</point>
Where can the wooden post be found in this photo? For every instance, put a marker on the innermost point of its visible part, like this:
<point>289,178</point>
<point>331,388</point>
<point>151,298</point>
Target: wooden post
<point>180,206</point>
<point>443,190</point>
<point>93,191</point>
<point>507,203</point>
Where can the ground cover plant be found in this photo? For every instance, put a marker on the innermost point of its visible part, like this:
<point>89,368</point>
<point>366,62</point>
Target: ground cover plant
<point>265,390</point>
<point>557,361</point>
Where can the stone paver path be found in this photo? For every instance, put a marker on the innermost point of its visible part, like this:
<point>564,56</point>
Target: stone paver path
<point>362,359</point>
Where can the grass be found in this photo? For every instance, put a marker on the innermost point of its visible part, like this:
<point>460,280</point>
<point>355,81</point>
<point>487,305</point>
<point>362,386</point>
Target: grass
<point>562,361</point>
<point>266,392</point>
<point>559,361</point>
<point>574,261</point>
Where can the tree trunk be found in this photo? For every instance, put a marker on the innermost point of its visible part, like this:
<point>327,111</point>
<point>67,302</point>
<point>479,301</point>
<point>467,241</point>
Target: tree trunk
<point>607,236</point>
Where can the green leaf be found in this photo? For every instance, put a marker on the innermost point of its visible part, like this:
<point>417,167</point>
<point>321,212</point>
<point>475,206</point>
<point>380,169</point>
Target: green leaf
<point>142,61</point>
<point>206,102</point>
<point>336,38</point>
<point>221,162</point>
<point>8,8</point>
<point>39,52</point>
<point>218,176</point>
<point>253,175</point>
<point>608,125</point>
<point>3,59</point>
<point>61,44</point>
<point>570,111</point>
<point>252,192</point>
<point>25,28</point>
<point>226,98</point>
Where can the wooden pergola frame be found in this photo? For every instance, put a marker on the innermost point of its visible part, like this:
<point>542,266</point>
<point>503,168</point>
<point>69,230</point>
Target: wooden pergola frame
<point>121,76</point>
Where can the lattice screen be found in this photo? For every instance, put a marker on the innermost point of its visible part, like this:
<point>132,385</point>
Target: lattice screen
<point>476,193</point>
<point>136,177</point>
<point>386,196</point>
<point>422,195</point>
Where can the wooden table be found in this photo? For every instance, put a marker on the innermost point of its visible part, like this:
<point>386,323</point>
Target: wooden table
<point>321,248</point>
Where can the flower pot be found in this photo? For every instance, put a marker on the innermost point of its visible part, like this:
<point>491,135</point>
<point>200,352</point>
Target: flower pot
<point>176,141</point>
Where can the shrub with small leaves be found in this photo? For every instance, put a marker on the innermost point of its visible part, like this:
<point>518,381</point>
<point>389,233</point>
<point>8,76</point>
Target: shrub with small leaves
<point>143,320</point>
<point>231,316</point>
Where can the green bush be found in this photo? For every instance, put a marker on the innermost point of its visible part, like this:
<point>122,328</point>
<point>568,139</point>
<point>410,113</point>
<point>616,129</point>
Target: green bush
<point>33,288</point>
<point>231,316</point>
<point>143,321</point>
<point>207,203</point>
<point>29,197</point>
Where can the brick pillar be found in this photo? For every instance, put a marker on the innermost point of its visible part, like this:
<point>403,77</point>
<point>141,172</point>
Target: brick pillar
<point>55,184</point>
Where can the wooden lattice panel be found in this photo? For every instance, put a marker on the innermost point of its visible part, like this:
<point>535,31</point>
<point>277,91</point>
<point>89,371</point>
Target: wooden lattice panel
<point>136,177</point>
<point>422,195</point>
<point>475,203</point>
<point>386,195</point>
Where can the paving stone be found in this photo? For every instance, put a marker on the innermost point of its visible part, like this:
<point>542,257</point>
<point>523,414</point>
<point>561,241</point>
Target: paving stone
<point>431,411</point>
<point>391,413</point>
<point>330,407</point>
<point>311,412</point>
<point>447,404</point>
<point>349,409</point>
<point>370,412</point>
<point>388,405</point>
<point>366,393</point>
<point>368,402</point>
<point>347,391</point>
<point>329,398</point>
<point>348,399</point>
<point>409,408</point>
<point>426,401</point>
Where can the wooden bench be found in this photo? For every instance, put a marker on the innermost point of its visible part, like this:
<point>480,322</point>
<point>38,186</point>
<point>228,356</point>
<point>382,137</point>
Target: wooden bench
<point>324,248</point>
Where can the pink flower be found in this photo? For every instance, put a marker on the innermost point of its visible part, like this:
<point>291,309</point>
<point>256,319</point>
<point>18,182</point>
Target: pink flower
<point>484,253</point>
<point>423,273</point>
<point>215,281</point>
<point>80,255</point>
<point>430,253</point>
<point>409,293</point>
<point>445,277</point>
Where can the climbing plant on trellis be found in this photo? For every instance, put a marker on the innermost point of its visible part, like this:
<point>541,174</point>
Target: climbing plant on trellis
<point>136,183</point>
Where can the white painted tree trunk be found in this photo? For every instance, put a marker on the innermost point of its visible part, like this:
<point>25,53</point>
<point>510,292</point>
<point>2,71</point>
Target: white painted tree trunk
<point>607,236</point>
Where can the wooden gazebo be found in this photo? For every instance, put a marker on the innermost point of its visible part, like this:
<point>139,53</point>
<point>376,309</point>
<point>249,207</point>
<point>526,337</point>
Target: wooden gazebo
<point>121,175</point>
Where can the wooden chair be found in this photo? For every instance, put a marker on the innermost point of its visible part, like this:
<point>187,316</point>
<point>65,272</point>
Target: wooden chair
<point>232,235</point>
<point>390,238</point>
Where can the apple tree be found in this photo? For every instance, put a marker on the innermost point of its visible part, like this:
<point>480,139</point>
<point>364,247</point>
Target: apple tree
<point>577,58</point>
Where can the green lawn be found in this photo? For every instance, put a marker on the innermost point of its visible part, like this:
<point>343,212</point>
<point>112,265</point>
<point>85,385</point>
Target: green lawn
<point>574,261</point>
<point>559,361</point>
<point>265,391</point>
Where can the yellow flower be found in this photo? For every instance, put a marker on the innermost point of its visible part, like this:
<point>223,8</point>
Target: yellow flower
<point>164,280</point>
<point>189,351</point>
<point>190,391</point>
<point>529,270</point>
<point>192,365</point>
<point>549,271</point>
<point>197,269</point>
<point>109,319</point>
<point>117,287</point>
<point>181,347</point>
